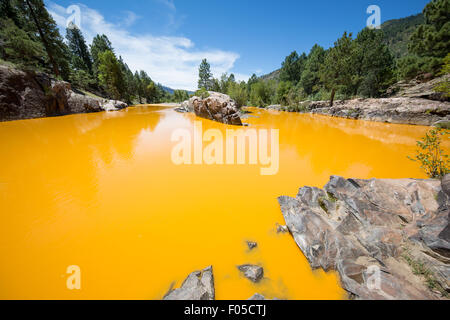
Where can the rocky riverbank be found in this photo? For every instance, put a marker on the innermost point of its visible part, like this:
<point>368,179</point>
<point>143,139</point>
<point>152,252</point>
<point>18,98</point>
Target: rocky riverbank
<point>387,239</point>
<point>27,95</point>
<point>412,102</point>
<point>402,110</point>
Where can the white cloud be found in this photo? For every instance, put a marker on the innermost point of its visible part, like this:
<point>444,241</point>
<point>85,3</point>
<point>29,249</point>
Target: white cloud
<point>168,3</point>
<point>172,61</point>
<point>130,18</point>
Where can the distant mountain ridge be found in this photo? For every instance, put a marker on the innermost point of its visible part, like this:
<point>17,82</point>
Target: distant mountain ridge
<point>397,33</point>
<point>171,91</point>
<point>274,75</point>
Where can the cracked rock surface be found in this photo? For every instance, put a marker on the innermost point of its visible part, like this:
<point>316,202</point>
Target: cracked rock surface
<point>387,239</point>
<point>199,285</point>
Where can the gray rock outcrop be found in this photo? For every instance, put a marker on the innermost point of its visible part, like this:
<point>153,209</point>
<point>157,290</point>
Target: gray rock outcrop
<point>387,239</point>
<point>26,95</point>
<point>419,88</point>
<point>199,285</point>
<point>403,110</point>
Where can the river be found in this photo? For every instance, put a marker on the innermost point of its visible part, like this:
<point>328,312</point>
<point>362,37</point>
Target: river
<point>101,191</point>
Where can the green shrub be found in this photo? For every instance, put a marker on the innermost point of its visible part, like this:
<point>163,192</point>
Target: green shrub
<point>434,161</point>
<point>444,86</point>
<point>202,93</point>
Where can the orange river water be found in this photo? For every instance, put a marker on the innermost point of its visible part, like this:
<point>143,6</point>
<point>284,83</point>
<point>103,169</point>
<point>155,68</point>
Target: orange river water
<point>101,191</point>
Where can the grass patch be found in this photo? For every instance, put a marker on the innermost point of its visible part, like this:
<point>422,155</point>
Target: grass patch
<point>90,94</point>
<point>7,63</point>
<point>322,204</point>
<point>419,269</point>
<point>332,197</point>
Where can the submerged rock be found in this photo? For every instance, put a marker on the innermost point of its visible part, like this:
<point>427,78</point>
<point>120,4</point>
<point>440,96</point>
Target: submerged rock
<point>199,285</point>
<point>256,297</point>
<point>281,229</point>
<point>387,239</point>
<point>217,107</point>
<point>252,272</point>
<point>252,245</point>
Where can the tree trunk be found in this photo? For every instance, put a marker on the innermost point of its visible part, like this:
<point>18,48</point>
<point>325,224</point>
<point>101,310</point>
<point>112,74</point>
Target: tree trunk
<point>333,93</point>
<point>44,41</point>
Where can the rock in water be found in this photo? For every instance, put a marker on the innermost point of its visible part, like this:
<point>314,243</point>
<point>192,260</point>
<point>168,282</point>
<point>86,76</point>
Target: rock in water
<point>251,245</point>
<point>257,296</point>
<point>218,107</point>
<point>281,229</point>
<point>199,285</point>
<point>252,272</point>
<point>377,234</point>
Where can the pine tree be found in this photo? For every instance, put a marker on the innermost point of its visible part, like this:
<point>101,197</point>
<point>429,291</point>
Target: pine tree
<point>253,79</point>
<point>432,39</point>
<point>292,67</point>
<point>82,59</point>
<point>17,47</point>
<point>373,63</point>
<point>205,75</point>
<point>100,44</point>
<point>57,51</point>
<point>338,68</point>
<point>310,77</point>
<point>110,75</point>
<point>138,86</point>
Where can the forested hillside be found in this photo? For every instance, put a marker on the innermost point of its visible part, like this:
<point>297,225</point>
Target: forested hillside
<point>362,66</point>
<point>30,40</point>
<point>398,32</point>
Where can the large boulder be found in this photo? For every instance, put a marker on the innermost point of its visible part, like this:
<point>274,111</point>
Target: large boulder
<point>217,107</point>
<point>387,239</point>
<point>22,95</point>
<point>199,285</point>
<point>113,105</point>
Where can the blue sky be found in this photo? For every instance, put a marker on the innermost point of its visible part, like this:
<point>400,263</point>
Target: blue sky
<point>168,38</point>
